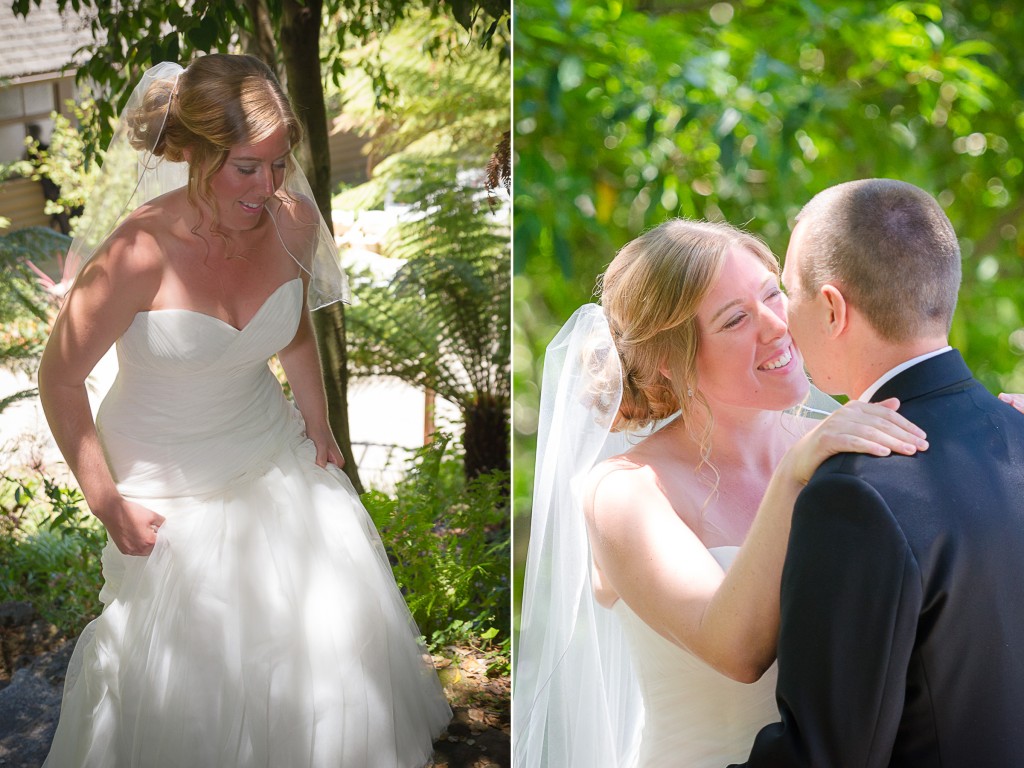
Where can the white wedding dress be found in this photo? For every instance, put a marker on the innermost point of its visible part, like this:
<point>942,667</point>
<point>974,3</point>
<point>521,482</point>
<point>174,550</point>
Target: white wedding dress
<point>693,716</point>
<point>265,629</point>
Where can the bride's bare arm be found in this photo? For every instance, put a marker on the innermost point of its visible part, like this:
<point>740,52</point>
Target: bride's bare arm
<point>301,363</point>
<point>299,230</point>
<point>96,312</point>
<point>666,574</point>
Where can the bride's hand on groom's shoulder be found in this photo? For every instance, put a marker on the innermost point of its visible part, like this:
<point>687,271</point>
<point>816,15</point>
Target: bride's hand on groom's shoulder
<point>1017,401</point>
<point>857,427</point>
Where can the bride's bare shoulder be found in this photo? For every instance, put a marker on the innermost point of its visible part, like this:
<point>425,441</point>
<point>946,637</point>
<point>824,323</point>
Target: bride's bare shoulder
<point>620,485</point>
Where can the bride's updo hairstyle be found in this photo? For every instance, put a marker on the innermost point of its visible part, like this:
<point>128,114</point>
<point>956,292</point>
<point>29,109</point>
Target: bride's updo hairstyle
<point>651,293</point>
<point>218,102</point>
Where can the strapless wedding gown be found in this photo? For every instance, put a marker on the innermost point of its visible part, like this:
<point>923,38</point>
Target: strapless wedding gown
<point>265,629</point>
<point>694,717</point>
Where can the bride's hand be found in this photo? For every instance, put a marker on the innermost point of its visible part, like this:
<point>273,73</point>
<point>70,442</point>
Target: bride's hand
<point>132,527</point>
<point>873,428</point>
<point>327,450</point>
<point>1017,401</point>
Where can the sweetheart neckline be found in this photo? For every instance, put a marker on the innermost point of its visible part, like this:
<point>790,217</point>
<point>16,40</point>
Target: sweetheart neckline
<point>225,323</point>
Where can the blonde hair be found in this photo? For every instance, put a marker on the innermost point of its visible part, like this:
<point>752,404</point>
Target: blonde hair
<point>218,102</point>
<point>651,292</point>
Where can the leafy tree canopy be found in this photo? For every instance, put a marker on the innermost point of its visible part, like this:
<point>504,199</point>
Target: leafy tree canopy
<point>743,111</point>
<point>129,37</point>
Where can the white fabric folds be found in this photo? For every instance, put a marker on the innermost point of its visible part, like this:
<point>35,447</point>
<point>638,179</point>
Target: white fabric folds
<point>266,628</point>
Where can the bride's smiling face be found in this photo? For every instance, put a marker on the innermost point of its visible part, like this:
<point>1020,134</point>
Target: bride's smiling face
<point>746,356</point>
<point>249,177</point>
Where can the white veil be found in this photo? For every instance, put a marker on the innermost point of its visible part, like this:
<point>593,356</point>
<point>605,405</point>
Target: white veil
<point>130,177</point>
<point>576,702</point>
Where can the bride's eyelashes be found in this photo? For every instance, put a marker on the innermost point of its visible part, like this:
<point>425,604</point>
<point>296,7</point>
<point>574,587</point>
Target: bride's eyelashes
<point>775,294</point>
<point>734,321</point>
<point>249,170</point>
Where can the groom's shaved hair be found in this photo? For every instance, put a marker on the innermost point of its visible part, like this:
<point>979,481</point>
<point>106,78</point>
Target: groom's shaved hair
<point>889,247</point>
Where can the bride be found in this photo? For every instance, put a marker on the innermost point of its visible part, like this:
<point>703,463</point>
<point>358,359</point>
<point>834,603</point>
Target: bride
<point>250,615</point>
<point>650,607</point>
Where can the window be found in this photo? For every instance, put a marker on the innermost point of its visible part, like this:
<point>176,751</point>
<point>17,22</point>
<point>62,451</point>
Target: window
<point>20,107</point>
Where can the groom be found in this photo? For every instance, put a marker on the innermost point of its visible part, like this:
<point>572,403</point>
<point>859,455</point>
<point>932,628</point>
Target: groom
<point>902,635</point>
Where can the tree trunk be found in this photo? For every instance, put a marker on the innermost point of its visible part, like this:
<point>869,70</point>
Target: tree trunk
<point>300,50</point>
<point>486,436</point>
<point>260,42</point>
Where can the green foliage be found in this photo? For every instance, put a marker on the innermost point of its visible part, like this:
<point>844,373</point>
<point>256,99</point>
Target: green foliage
<point>743,111</point>
<point>128,38</point>
<point>26,308</point>
<point>485,25</point>
<point>449,544</point>
<point>64,161</point>
<point>50,550</point>
<point>451,111</point>
<point>443,320</point>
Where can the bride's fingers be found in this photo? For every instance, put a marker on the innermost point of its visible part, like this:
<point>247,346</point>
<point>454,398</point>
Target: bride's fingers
<point>854,430</point>
<point>854,416</point>
<point>1017,401</point>
<point>886,410</point>
<point>321,455</point>
<point>863,438</point>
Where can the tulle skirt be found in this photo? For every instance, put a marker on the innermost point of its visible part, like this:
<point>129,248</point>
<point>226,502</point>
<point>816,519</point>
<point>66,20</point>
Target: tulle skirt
<point>265,629</point>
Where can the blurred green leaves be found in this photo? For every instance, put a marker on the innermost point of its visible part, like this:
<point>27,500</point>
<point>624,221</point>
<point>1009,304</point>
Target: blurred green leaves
<point>743,111</point>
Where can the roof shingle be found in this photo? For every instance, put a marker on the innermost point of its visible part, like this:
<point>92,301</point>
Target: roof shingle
<point>44,41</point>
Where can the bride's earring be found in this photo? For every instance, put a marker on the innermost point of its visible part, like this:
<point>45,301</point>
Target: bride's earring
<point>689,392</point>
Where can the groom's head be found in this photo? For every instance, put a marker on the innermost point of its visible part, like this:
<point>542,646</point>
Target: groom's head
<point>872,272</point>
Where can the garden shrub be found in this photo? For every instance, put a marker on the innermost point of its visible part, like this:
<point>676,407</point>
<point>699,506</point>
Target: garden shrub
<point>50,548</point>
<point>448,540</point>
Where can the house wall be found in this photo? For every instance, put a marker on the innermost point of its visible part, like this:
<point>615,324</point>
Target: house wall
<point>26,102</point>
<point>348,163</point>
<point>22,201</point>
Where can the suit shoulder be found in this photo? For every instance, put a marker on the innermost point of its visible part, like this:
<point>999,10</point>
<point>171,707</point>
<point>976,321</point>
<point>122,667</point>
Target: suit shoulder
<point>842,500</point>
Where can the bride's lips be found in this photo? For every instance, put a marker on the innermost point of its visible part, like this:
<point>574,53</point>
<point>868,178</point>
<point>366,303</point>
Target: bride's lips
<point>780,361</point>
<point>251,207</point>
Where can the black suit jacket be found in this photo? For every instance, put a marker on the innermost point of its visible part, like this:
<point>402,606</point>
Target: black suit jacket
<point>902,635</point>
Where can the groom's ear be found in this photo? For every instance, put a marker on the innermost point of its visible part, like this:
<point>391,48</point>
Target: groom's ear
<point>838,309</point>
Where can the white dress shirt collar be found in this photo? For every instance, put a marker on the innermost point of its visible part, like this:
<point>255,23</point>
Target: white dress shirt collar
<point>868,393</point>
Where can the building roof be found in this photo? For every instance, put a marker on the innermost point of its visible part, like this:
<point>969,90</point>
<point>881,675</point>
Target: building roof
<point>40,43</point>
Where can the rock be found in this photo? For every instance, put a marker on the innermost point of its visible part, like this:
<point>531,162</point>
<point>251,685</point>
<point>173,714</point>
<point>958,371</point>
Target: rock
<point>16,614</point>
<point>29,708</point>
<point>23,637</point>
